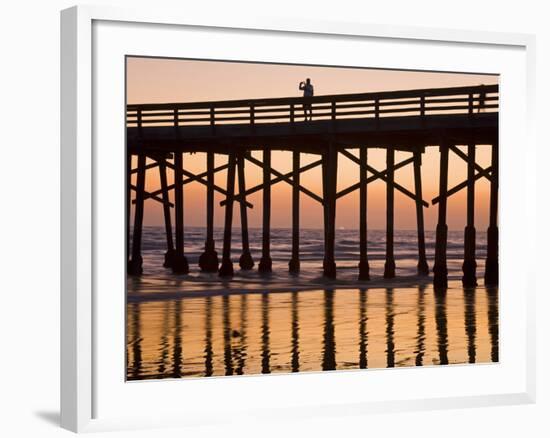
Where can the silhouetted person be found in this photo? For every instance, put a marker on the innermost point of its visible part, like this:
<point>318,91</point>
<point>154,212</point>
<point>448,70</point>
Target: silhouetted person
<point>307,86</point>
<point>482,98</point>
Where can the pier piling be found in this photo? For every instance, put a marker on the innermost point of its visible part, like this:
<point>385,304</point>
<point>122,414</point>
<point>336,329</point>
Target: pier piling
<point>422,267</point>
<point>330,174</point>
<point>208,261</point>
<point>440,264</point>
<point>469,265</point>
<point>491,263</point>
<point>245,261</point>
<point>389,267</point>
<point>135,266</point>
<point>294,263</point>
<point>179,261</point>
<point>226,268</point>
<point>169,254</point>
<point>363,260</point>
<point>265,262</point>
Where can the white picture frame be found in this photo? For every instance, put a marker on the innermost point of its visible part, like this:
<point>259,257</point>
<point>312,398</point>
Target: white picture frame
<point>85,378</point>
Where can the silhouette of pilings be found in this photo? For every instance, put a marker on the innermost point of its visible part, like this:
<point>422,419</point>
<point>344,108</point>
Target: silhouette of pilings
<point>226,268</point>
<point>208,261</point>
<point>179,261</point>
<point>330,173</point>
<point>440,263</point>
<point>265,264</point>
<point>389,267</point>
<point>245,261</point>
<point>169,255</point>
<point>469,265</point>
<point>422,266</point>
<point>294,263</point>
<point>135,266</point>
<point>363,260</point>
<point>491,264</point>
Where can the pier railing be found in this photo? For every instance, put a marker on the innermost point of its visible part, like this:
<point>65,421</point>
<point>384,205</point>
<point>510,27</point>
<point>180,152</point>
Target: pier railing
<point>423,102</point>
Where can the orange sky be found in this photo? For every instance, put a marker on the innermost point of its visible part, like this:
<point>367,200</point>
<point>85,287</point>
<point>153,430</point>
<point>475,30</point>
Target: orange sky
<point>152,80</point>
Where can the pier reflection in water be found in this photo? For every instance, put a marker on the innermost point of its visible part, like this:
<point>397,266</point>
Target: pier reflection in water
<point>310,331</point>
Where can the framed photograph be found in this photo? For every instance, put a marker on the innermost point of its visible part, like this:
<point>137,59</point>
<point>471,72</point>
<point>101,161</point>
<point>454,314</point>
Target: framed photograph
<point>274,218</point>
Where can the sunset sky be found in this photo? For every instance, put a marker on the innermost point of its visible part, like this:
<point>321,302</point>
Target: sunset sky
<point>152,80</point>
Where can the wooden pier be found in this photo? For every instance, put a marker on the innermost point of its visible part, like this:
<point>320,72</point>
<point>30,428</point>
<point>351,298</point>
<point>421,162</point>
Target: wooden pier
<point>160,135</point>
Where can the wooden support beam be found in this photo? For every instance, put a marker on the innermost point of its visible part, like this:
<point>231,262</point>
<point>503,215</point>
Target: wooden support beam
<point>330,174</point>
<point>245,261</point>
<point>440,264</point>
<point>226,268</point>
<point>363,259</point>
<point>372,178</point>
<point>208,260</point>
<point>179,262</point>
<point>190,179</point>
<point>147,167</point>
<point>422,267</point>
<point>463,184</point>
<point>389,267</point>
<point>469,265</point>
<point>135,266</point>
<point>203,182</point>
<point>169,254</point>
<point>294,263</point>
<point>383,177</point>
<point>276,180</point>
<point>491,263</point>
<point>465,157</point>
<point>148,195</point>
<point>285,178</point>
<point>265,262</point>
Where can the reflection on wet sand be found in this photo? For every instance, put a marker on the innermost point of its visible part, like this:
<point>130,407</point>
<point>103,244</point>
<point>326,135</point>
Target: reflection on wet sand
<point>310,331</point>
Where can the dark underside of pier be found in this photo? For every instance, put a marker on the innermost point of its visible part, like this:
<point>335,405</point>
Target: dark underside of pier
<point>402,133</point>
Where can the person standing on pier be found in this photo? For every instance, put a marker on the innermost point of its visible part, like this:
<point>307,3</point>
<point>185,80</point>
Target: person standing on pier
<point>482,98</point>
<point>307,87</point>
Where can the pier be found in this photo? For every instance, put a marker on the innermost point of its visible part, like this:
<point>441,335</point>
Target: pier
<point>160,135</point>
